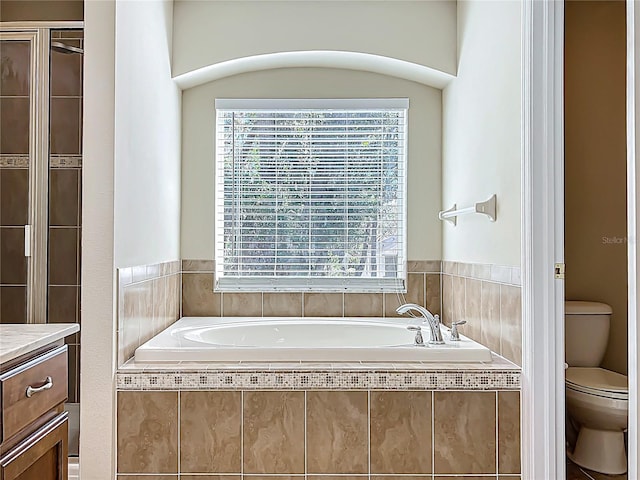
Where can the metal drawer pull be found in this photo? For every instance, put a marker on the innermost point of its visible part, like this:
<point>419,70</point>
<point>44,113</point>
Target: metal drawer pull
<point>32,391</point>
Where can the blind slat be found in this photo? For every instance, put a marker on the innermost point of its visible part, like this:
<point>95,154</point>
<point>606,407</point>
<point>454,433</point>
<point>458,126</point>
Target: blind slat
<point>312,198</point>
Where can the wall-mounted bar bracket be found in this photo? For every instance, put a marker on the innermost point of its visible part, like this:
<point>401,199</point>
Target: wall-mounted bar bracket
<point>488,208</point>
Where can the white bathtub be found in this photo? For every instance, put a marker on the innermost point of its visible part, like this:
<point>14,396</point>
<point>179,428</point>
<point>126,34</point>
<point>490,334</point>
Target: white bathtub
<point>208,339</point>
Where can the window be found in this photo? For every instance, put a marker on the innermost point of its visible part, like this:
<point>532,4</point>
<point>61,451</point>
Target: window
<point>311,195</point>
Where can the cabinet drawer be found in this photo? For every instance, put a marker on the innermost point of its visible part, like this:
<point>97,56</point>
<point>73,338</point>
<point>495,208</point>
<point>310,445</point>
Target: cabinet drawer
<point>32,389</point>
<point>40,456</point>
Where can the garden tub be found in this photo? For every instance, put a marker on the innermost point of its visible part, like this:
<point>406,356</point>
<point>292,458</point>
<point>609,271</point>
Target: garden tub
<point>315,339</point>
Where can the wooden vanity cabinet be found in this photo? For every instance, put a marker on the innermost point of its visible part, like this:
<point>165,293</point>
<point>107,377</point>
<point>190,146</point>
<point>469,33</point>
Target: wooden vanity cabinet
<point>33,423</point>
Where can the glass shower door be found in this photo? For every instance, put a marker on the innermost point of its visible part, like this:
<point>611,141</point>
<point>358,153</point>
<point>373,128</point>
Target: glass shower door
<point>15,115</point>
<point>21,217</point>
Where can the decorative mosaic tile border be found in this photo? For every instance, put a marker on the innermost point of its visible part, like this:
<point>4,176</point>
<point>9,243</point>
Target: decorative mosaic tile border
<point>65,161</point>
<point>55,161</point>
<point>320,380</point>
<point>14,161</point>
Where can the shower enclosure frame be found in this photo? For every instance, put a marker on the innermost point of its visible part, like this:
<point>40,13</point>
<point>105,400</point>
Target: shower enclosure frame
<point>39,34</point>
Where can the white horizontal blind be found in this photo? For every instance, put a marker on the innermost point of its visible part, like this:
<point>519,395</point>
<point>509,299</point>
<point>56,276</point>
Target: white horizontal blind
<point>311,195</point>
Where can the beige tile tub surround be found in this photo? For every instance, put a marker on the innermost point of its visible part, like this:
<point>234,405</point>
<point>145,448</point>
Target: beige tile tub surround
<point>242,304</point>
<point>400,432</point>
<point>337,432</point>
<point>148,302</point>
<point>274,477</point>
<point>348,434</point>
<point>509,432</point>
<point>147,432</point>
<point>274,432</point>
<point>465,432</point>
<point>210,432</point>
<point>323,304</point>
<point>472,477</point>
<point>511,323</point>
<point>199,299</point>
<point>340,477</point>
<point>209,477</point>
<point>150,477</point>
<point>282,304</point>
<point>489,298</point>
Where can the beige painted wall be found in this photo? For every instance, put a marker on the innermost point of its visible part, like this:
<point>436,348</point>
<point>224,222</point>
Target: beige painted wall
<point>208,32</point>
<point>147,183</point>
<point>98,331</point>
<point>482,141</point>
<point>595,163</point>
<point>424,172</point>
<point>131,184</point>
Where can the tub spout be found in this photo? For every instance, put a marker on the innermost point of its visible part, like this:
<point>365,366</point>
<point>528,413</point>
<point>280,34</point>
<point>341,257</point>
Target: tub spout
<point>432,320</point>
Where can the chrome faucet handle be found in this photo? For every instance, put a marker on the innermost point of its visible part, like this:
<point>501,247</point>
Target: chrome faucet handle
<point>416,328</point>
<point>432,321</point>
<point>455,335</point>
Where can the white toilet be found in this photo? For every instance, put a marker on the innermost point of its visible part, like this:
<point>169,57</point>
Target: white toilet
<point>597,399</point>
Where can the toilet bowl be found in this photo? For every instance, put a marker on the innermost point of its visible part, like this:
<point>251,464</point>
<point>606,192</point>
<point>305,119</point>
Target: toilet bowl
<point>596,398</point>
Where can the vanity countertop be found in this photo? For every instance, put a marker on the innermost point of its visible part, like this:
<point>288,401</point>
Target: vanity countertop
<point>19,339</point>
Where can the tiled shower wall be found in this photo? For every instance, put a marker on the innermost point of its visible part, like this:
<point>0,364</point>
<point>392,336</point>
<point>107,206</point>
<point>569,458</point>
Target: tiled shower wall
<point>14,178</point>
<point>65,189</point>
<point>199,299</point>
<point>489,298</point>
<point>148,302</point>
<point>324,435</point>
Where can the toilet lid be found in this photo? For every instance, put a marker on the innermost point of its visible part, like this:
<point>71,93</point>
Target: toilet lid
<point>597,381</point>
<point>577,307</point>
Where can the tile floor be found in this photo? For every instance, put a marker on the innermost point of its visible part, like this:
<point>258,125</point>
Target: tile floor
<point>574,472</point>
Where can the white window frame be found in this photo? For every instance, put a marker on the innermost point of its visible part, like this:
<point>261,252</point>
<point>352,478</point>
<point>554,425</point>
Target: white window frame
<point>301,283</point>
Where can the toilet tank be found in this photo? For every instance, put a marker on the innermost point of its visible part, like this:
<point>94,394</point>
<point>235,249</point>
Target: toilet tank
<point>586,330</point>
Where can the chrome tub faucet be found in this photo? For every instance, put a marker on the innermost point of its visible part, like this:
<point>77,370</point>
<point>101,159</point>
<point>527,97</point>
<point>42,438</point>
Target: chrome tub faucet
<point>432,320</point>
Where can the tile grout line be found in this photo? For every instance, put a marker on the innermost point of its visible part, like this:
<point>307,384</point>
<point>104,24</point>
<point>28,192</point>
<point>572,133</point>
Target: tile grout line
<point>500,317</point>
<point>343,300</point>
<point>241,434</point>
<point>179,435</point>
<point>80,106</point>
<point>384,305</point>
<point>497,438</point>
<point>479,318</point>
<point>306,466</point>
<point>424,290</point>
<point>433,434</point>
<point>369,433</point>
